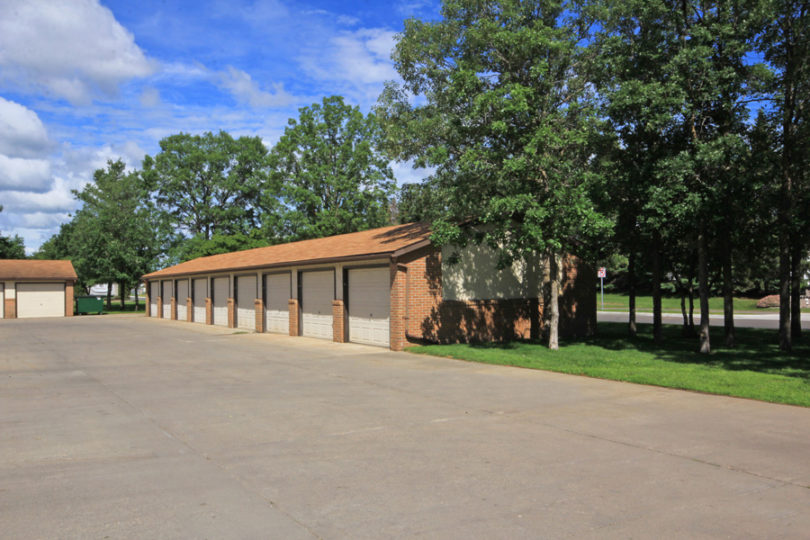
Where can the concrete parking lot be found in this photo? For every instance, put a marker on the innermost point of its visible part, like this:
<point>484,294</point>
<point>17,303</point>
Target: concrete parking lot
<point>128,427</point>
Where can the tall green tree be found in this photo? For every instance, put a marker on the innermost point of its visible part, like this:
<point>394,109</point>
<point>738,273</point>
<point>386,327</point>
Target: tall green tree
<point>506,118</point>
<point>333,176</point>
<point>117,235</point>
<point>210,184</point>
<point>677,84</point>
<point>785,43</point>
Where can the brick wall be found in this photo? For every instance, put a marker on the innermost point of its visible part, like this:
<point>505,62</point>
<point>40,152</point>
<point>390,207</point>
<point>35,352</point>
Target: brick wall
<point>231,313</point>
<point>10,308</point>
<point>293,308</point>
<point>189,309</point>
<point>338,322</point>
<point>173,309</point>
<point>68,299</point>
<point>148,310</point>
<point>258,305</point>
<point>159,307</point>
<point>417,305</point>
<point>209,311</point>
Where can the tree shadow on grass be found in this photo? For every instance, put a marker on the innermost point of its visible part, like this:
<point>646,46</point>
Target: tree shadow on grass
<point>757,349</point>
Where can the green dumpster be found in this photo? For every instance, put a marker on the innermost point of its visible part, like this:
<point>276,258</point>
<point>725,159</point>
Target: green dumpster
<point>89,304</point>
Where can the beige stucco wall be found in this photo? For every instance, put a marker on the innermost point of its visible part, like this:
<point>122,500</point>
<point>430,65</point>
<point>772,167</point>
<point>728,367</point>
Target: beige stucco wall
<point>476,276</point>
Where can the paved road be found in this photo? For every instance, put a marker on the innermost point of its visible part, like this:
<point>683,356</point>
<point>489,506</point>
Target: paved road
<point>742,320</point>
<point>124,427</point>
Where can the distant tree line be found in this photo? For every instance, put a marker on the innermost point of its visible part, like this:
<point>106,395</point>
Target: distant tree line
<point>213,193</point>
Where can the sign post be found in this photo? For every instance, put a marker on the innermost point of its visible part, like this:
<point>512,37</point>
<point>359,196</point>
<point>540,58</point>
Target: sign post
<point>602,274</point>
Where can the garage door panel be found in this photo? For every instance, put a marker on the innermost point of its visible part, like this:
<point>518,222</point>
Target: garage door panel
<point>154,292</point>
<point>40,300</point>
<point>166,296</point>
<point>2,301</point>
<point>221,301</point>
<point>369,306</point>
<point>200,294</point>
<point>277,309</point>
<point>246,302</point>
<point>317,293</point>
<point>182,295</point>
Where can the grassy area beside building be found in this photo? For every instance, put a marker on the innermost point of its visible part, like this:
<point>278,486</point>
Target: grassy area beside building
<point>754,369</point>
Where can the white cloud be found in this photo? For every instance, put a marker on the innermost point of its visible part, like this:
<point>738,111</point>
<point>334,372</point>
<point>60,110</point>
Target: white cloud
<point>71,49</point>
<point>150,98</point>
<point>22,133</point>
<point>24,174</point>
<point>347,20</point>
<point>242,86</point>
<point>362,56</point>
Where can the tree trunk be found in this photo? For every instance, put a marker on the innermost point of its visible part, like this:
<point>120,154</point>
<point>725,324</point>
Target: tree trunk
<point>554,305</point>
<point>691,307</point>
<point>785,342</point>
<point>109,295</point>
<point>728,297</point>
<point>795,294</point>
<point>703,291</point>
<point>631,286</point>
<point>658,335</point>
<point>137,285</point>
<point>122,295</point>
<point>685,329</point>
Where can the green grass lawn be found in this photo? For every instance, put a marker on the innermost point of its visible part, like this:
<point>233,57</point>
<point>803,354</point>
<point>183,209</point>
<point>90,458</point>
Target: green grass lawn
<point>620,302</point>
<point>755,369</point>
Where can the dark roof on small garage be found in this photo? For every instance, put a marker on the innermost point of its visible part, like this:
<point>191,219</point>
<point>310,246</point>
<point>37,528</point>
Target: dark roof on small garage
<point>32,269</point>
<point>382,242</point>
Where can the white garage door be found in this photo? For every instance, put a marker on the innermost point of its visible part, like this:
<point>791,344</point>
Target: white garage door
<point>200,294</point>
<point>154,292</point>
<point>277,310</point>
<point>182,295</point>
<point>40,300</point>
<point>166,296</point>
<point>246,302</point>
<point>369,306</point>
<point>317,292</point>
<point>221,301</point>
<point>2,301</point>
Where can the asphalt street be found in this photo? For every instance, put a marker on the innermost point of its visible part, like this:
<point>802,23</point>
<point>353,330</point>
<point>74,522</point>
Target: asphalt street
<point>742,320</point>
<point>128,427</point>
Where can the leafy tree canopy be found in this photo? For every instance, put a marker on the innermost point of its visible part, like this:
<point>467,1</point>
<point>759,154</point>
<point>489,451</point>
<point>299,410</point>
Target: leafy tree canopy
<point>333,176</point>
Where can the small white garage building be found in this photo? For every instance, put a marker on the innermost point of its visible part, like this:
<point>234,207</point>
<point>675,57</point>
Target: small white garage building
<point>378,287</point>
<point>35,288</point>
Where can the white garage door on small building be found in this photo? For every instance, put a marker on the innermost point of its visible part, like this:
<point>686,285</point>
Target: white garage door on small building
<point>166,296</point>
<point>369,304</point>
<point>200,287</point>
<point>317,293</point>
<point>182,295</point>
<point>2,300</point>
<point>277,298</point>
<point>40,300</point>
<point>154,292</point>
<point>220,301</point>
<point>246,302</point>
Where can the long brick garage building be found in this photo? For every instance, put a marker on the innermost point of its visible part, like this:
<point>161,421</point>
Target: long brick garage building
<point>383,287</point>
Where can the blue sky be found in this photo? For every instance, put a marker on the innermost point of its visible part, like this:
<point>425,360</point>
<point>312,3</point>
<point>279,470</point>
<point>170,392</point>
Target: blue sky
<point>83,81</point>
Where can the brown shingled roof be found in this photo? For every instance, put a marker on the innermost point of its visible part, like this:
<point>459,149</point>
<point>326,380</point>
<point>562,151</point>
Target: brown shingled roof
<point>364,244</point>
<point>36,269</point>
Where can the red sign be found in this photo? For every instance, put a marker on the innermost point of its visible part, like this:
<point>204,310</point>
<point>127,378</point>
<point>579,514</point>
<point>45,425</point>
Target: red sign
<point>602,273</point>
